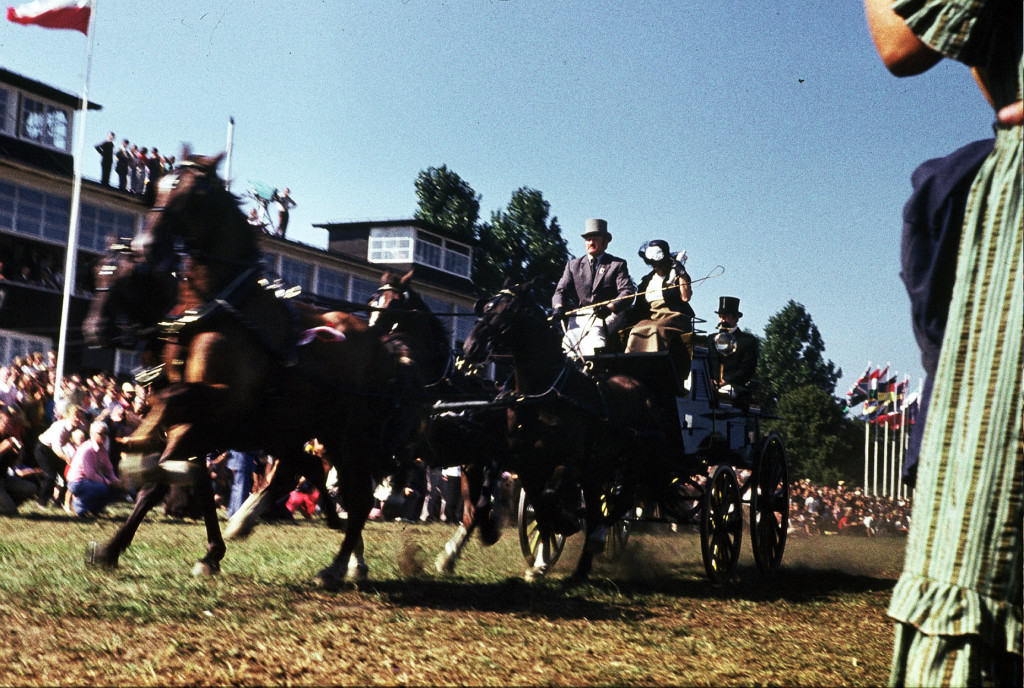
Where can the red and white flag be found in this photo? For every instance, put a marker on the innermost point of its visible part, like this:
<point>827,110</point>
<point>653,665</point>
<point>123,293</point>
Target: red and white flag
<point>53,14</point>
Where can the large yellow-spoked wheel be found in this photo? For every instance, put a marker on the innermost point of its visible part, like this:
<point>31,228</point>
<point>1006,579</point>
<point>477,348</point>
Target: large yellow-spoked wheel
<point>721,524</point>
<point>769,504</point>
<point>540,547</point>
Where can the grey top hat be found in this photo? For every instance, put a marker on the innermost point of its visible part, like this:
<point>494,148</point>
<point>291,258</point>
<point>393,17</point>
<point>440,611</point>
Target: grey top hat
<point>596,227</point>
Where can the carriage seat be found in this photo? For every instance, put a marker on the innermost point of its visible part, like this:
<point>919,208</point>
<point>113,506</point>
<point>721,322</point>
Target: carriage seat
<point>680,352</point>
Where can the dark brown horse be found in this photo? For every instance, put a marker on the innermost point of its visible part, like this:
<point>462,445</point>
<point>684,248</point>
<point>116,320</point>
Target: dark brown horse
<point>567,430</point>
<point>474,443</point>
<point>240,374</point>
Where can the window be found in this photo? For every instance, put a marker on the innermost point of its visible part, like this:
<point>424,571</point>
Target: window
<point>7,198</point>
<point>332,284</point>
<point>29,218</point>
<point>98,226</point>
<point>127,362</point>
<point>296,273</point>
<point>44,123</point>
<point>47,216</point>
<point>391,245</point>
<point>362,290</point>
<point>13,344</point>
<point>457,259</point>
<point>56,218</point>
<point>7,110</point>
<point>463,324</point>
<point>429,250</point>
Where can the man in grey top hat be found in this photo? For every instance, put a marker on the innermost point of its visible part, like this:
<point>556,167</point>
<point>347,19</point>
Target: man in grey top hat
<point>595,278</point>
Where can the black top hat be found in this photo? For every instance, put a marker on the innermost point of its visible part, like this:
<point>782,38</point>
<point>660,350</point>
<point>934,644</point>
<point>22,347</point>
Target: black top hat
<point>729,304</point>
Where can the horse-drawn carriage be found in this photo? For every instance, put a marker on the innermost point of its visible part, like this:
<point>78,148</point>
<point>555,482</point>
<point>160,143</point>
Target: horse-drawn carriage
<point>245,371</point>
<point>697,458</point>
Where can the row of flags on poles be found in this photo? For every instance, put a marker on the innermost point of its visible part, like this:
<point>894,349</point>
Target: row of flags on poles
<point>885,399</point>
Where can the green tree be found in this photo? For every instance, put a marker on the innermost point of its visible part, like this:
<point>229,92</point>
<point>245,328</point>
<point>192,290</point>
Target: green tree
<point>819,438</point>
<point>448,202</point>
<point>792,356</point>
<point>519,243</point>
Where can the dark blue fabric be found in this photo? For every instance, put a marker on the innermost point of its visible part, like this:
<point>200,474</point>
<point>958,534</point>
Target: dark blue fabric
<point>933,221</point>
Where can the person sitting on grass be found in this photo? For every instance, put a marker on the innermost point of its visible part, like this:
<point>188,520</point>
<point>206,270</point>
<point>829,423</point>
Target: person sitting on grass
<point>91,478</point>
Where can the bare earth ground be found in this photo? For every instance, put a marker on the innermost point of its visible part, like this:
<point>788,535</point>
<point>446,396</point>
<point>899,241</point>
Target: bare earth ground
<point>651,618</point>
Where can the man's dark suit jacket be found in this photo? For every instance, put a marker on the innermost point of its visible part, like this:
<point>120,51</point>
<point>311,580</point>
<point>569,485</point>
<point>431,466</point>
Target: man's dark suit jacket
<point>576,289</point>
<point>740,366</point>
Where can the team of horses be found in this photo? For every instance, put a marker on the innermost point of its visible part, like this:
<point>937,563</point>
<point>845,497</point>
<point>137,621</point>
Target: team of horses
<point>243,368</point>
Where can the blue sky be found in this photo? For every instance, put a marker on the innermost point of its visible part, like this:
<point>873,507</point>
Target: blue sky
<point>763,137</point>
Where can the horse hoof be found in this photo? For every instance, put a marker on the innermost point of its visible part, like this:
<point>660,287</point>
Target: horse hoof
<point>535,573</point>
<point>358,573</point>
<point>490,531</point>
<point>205,570</point>
<point>95,555</point>
<point>238,530</point>
<point>329,580</point>
<point>444,564</point>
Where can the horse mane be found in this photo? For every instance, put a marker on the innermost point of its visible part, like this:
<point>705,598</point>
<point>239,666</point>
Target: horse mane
<point>227,203</point>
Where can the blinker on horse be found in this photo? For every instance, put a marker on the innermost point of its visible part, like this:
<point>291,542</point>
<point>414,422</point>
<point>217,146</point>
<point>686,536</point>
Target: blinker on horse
<point>235,375</point>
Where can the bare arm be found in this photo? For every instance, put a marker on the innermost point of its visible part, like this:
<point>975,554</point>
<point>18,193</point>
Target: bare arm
<point>901,51</point>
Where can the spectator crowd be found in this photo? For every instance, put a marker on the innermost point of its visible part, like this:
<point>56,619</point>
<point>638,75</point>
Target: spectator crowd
<point>50,452</point>
<point>817,510</point>
<point>138,169</point>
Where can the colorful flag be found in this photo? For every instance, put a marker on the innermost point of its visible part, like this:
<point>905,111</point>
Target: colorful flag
<point>873,382</point>
<point>900,394</point>
<point>859,392</point>
<point>53,14</point>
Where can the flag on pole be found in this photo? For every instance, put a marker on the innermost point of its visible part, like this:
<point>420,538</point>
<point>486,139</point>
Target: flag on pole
<point>859,392</point>
<point>874,382</point>
<point>53,14</point>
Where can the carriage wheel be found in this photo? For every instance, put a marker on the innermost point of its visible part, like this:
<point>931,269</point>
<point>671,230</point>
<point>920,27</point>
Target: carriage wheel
<point>721,523</point>
<point>618,532</point>
<point>618,538</point>
<point>538,548</point>
<point>769,504</point>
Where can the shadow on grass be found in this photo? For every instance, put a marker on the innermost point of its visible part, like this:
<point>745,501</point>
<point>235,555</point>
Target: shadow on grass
<point>608,598</point>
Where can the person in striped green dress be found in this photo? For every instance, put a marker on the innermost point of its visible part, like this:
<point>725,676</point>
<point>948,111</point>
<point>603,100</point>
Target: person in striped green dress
<point>958,604</point>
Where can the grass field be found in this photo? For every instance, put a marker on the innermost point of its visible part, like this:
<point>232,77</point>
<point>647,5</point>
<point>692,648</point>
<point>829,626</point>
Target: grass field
<point>649,619</point>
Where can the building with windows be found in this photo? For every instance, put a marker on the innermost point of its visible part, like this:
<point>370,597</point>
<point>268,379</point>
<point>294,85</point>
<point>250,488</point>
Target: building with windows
<point>442,266</point>
<point>36,180</point>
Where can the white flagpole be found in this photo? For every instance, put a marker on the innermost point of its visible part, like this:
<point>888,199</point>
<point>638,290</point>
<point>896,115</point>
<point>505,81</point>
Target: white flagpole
<point>867,454</point>
<point>71,256</point>
<point>230,147</point>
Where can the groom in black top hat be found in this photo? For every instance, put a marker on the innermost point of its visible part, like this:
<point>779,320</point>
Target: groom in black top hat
<point>734,369</point>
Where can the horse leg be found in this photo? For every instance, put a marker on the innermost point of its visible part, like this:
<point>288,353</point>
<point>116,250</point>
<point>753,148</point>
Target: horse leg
<point>446,561</point>
<point>534,485</point>
<point>348,565</point>
<point>107,555</point>
<point>478,489</point>
<point>210,564</point>
<point>597,532</point>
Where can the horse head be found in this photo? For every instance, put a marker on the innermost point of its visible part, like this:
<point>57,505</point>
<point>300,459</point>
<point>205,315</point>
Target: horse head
<point>409,326</point>
<point>395,294</point>
<point>195,209</point>
<point>512,319</point>
<point>129,296</point>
